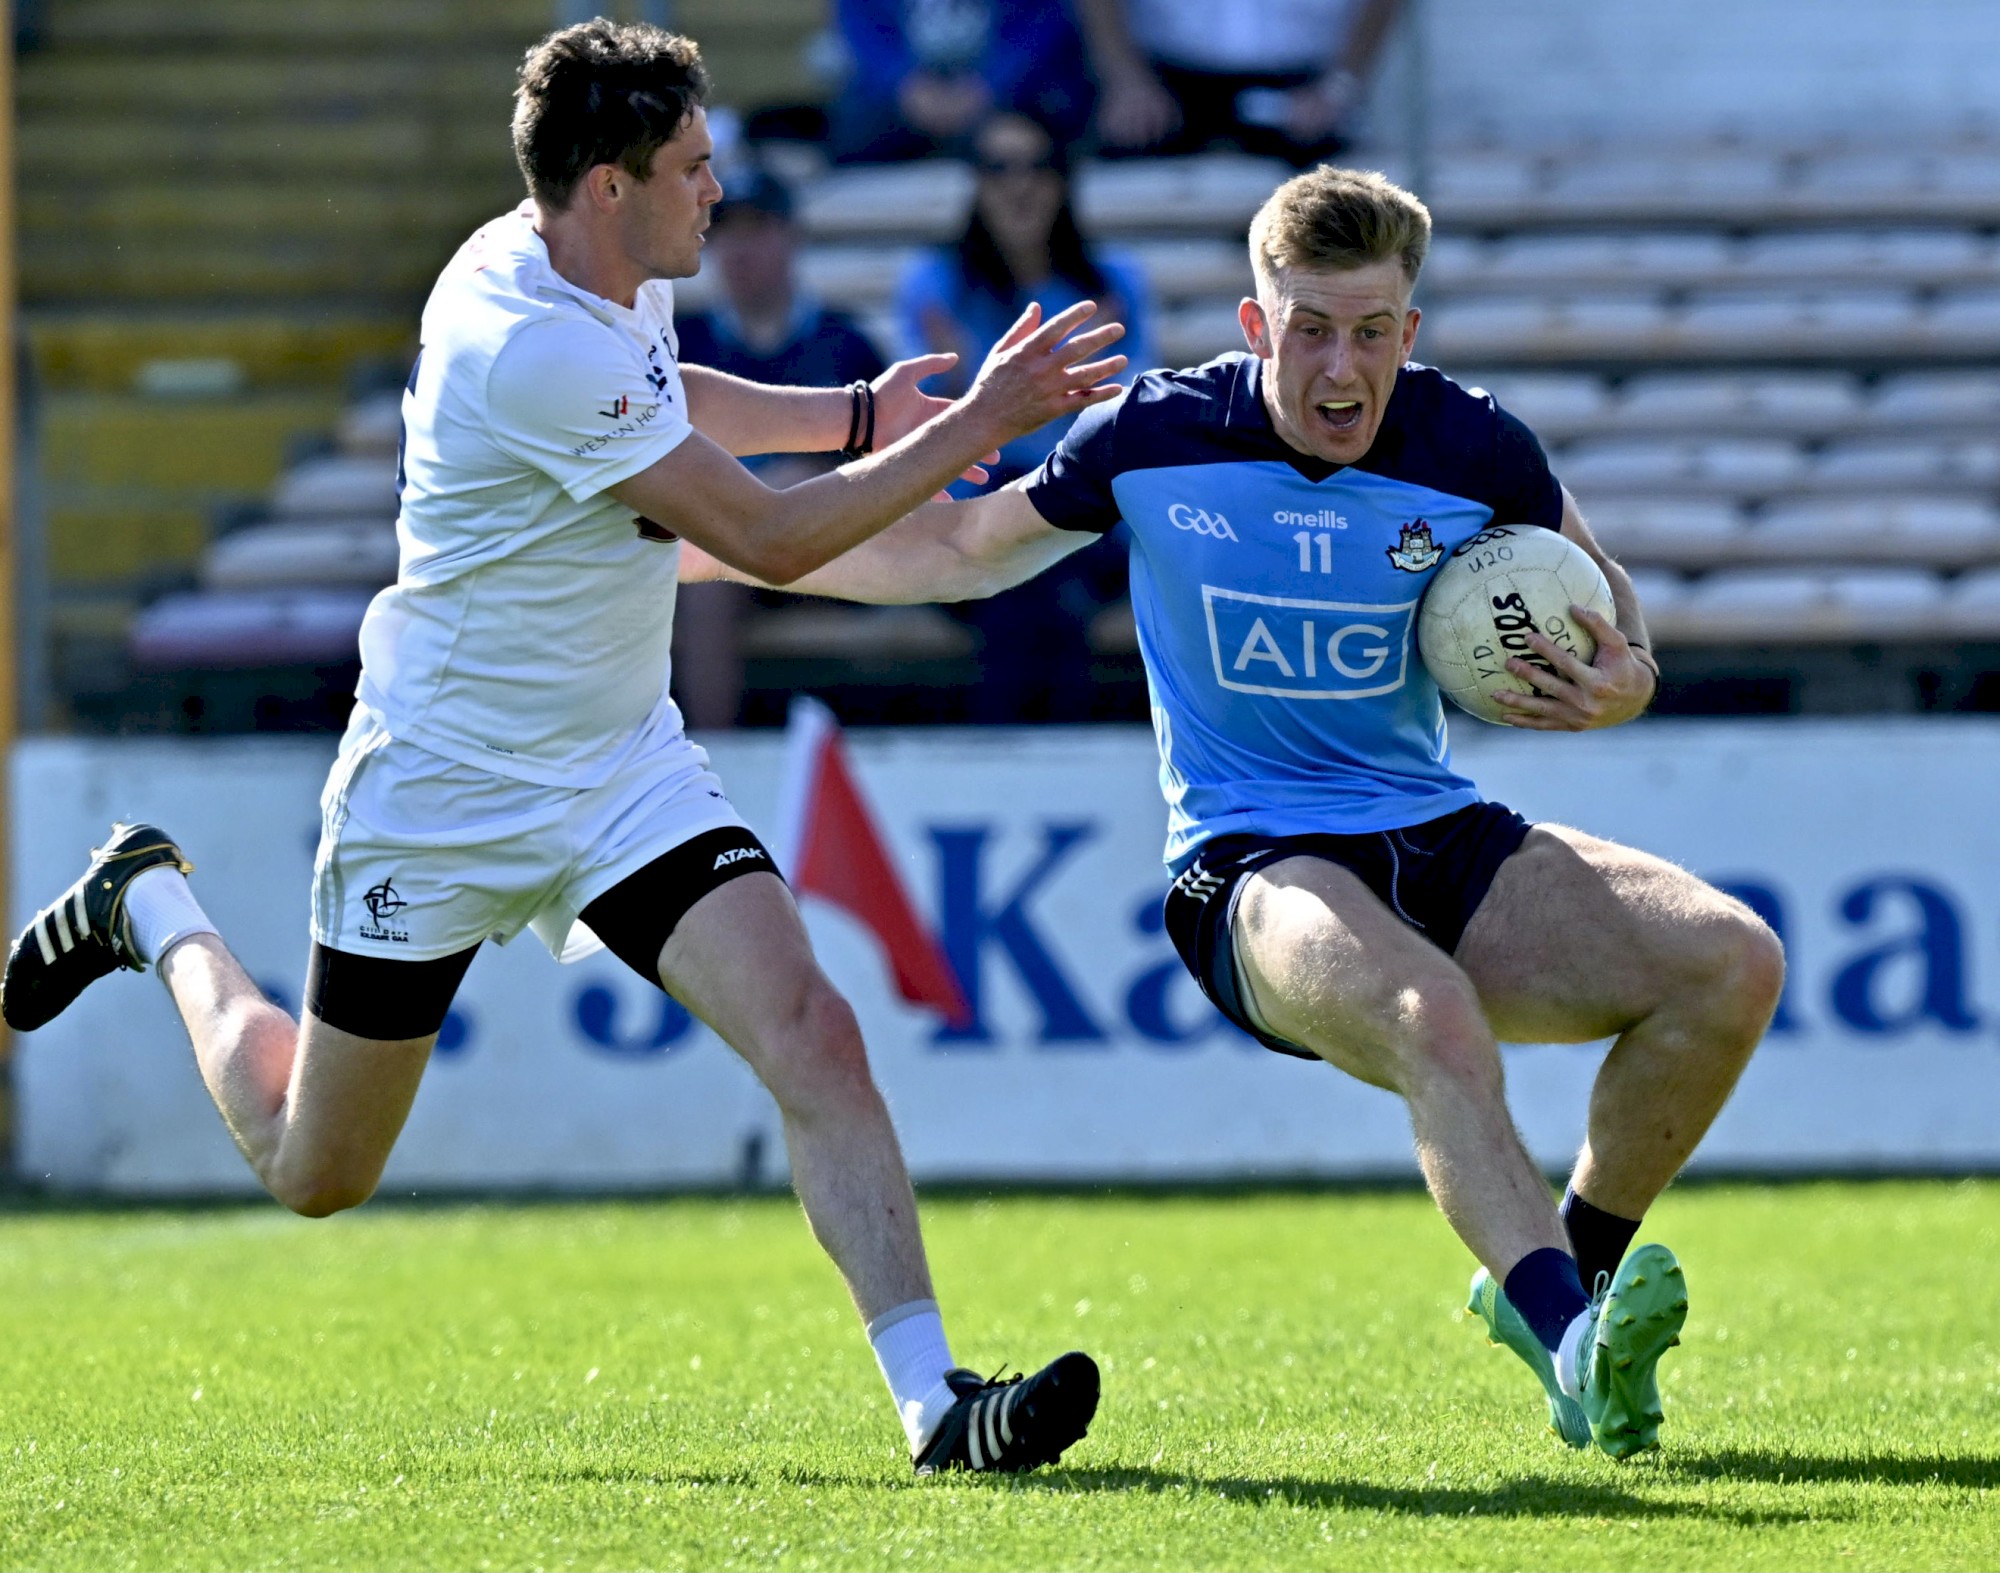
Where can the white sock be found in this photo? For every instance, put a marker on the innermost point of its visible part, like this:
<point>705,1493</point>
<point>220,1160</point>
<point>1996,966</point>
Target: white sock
<point>1569,1353</point>
<point>162,911</point>
<point>910,1348</point>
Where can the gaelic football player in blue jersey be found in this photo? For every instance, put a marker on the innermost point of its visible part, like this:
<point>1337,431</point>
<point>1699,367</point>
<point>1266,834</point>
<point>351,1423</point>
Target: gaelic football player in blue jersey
<point>1341,891</point>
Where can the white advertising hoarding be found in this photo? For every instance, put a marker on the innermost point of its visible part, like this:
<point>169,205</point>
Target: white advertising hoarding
<point>1872,846</point>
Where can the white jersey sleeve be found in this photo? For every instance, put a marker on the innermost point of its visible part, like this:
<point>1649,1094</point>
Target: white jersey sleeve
<point>577,400</point>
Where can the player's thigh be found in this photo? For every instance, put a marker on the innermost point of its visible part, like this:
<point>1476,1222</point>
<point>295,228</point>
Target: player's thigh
<point>1332,969</point>
<point>365,1036</point>
<point>740,959</point>
<point>348,1100</point>
<point>1581,938</point>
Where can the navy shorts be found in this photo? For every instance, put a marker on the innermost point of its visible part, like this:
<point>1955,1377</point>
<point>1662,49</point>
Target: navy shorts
<point>1433,876</point>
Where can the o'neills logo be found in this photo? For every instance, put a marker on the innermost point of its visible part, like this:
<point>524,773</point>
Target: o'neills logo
<point>1318,519</point>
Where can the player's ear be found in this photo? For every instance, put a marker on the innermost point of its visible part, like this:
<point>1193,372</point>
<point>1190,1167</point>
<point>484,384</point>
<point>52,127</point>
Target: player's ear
<point>1256,326</point>
<point>1410,320</point>
<point>602,185</point>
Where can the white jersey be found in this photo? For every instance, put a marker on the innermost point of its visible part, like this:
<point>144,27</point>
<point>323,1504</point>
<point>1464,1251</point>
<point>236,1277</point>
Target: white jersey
<point>528,629</point>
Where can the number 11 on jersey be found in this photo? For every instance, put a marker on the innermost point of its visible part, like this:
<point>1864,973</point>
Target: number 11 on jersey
<point>1306,539</point>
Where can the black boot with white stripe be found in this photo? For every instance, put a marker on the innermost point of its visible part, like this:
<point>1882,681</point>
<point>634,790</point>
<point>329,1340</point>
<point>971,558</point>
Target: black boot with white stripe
<point>1013,1424</point>
<point>85,933</point>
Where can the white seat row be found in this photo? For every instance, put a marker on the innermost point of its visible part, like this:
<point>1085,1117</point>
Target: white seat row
<point>1734,184</point>
<point>1764,466</point>
<point>352,552</point>
<point>1805,404</point>
<point>1696,258</point>
<point>220,630</point>
<point>1942,532</point>
<point>1814,325</point>
<point>343,485</point>
<point>1796,605</point>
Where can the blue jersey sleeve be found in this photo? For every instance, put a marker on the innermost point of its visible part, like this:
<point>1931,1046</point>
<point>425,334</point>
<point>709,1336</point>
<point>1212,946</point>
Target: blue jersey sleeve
<point>1072,487</point>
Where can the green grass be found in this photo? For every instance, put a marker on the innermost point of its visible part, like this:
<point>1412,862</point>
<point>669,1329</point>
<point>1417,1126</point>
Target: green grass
<point>681,1384</point>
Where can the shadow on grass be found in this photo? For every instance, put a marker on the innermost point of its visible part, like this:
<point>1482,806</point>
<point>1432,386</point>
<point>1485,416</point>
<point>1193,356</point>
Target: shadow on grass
<point>1782,1466</point>
<point>1531,1497</point>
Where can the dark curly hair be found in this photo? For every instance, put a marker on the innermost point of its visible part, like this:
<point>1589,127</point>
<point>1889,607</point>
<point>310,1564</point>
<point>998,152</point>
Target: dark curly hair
<point>601,93</point>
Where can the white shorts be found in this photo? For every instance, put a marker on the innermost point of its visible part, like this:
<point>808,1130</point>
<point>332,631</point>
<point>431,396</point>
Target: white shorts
<point>422,857</point>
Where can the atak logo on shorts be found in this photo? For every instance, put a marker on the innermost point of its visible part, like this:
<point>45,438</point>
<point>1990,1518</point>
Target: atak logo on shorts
<point>1416,551</point>
<point>1201,521</point>
<point>620,406</point>
<point>736,855</point>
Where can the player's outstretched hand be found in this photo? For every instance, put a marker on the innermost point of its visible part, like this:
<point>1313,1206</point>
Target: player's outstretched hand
<point>901,406</point>
<point>1039,372</point>
<point>1614,687</point>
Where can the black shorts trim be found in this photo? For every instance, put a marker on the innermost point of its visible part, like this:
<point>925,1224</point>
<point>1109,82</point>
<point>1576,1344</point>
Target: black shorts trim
<point>636,916</point>
<point>1433,876</point>
<point>386,998</point>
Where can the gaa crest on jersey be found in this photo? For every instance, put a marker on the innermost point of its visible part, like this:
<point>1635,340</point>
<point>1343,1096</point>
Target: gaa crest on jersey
<point>1416,552</point>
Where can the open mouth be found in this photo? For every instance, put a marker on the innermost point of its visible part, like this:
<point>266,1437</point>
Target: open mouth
<point>1339,415</point>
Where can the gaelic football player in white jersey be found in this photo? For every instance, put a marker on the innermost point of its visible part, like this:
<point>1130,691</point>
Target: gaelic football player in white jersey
<point>514,760</point>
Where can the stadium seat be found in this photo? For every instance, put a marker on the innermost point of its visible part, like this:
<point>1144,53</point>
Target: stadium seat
<point>1796,605</point>
<point>302,553</point>
<point>1476,186</point>
<point>1824,323</point>
<point>1735,466</point>
<point>1972,605</point>
<point>1537,328</point>
<point>1669,532</point>
<point>1804,403</point>
<point>371,428</point>
<point>851,278</point>
<point>1938,399</point>
<point>1654,185</point>
<point>1660,593</point>
<point>1556,404</point>
<point>343,486</point>
<point>1908,461</point>
<point>219,630</point>
<point>1188,335</point>
<point>1193,266</point>
<point>1890,528</point>
<point>925,200</point>
<point>1891,256</point>
<point>1216,192</point>
<point>1614,260</point>
<point>1965,322</point>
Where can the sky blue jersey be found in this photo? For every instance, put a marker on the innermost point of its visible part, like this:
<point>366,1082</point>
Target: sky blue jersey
<point>1276,594</point>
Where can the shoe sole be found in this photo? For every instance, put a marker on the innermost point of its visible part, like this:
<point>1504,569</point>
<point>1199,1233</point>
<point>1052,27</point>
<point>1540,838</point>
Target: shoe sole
<point>1641,1321</point>
<point>1566,1417</point>
<point>1065,1403</point>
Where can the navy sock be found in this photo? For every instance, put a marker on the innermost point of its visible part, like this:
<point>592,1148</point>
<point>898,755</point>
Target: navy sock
<point>1599,1238</point>
<point>1547,1292</point>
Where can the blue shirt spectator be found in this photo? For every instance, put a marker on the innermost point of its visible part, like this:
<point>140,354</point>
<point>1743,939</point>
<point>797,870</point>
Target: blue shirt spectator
<point>925,73</point>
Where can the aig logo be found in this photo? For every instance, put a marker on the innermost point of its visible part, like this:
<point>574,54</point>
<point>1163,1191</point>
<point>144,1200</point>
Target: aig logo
<point>1298,649</point>
<point>1201,521</point>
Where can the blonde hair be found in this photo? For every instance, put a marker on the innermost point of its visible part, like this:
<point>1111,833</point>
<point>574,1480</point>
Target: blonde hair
<point>1338,218</point>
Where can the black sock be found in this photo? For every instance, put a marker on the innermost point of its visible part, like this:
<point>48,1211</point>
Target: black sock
<point>1547,1292</point>
<point>1599,1238</point>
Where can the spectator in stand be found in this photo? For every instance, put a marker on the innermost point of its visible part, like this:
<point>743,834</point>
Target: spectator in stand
<point>1021,244</point>
<point>924,74</point>
<point>765,328</point>
<point>1283,78</point>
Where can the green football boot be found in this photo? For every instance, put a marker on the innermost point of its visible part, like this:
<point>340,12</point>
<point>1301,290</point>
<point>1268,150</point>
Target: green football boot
<point>1504,1326</point>
<point>1638,1320</point>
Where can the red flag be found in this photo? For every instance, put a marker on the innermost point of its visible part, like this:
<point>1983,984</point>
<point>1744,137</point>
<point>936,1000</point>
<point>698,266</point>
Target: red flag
<point>831,847</point>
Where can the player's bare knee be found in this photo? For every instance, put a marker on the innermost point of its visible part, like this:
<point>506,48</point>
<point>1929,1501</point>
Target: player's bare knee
<point>820,1054</point>
<point>1441,1035</point>
<point>319,1192</point>
<point>1753,967</point>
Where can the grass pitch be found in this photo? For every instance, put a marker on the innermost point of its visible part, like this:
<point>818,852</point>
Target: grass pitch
<point>680,1384</point>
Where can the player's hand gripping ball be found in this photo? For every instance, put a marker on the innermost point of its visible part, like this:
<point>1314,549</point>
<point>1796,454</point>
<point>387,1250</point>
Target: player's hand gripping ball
<point>1482,604</point>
